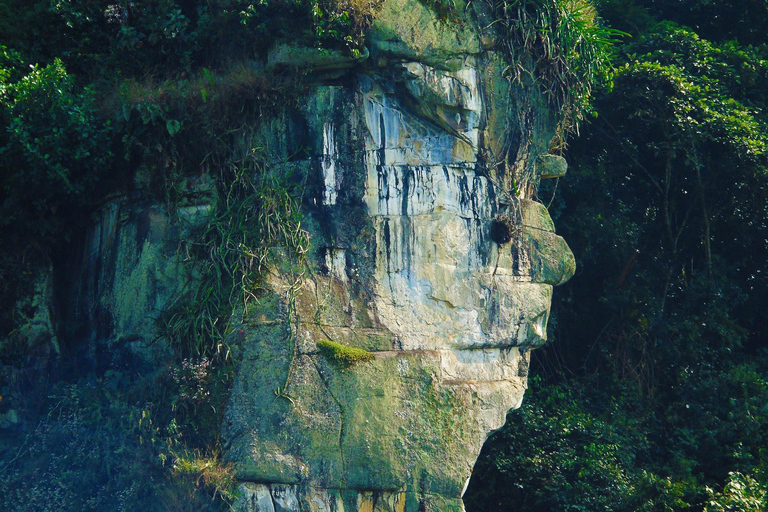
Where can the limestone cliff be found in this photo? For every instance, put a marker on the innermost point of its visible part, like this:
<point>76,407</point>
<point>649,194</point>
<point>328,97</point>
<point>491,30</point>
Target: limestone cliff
<point>404,159</point>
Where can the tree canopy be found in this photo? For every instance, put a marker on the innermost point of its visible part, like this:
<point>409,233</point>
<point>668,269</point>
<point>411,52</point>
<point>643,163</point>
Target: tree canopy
<point>652,393</point>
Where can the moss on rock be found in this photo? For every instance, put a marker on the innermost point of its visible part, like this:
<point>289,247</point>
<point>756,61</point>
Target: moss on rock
<point>342,354</point>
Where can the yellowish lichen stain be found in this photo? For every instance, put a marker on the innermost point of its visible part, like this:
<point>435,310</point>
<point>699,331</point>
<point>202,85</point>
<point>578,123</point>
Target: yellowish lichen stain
<point>400,502</point>
<point>365,502</point>
<point>395,503</point>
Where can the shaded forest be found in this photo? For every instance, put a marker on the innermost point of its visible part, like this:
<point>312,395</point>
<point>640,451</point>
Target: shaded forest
<point>652,393</point>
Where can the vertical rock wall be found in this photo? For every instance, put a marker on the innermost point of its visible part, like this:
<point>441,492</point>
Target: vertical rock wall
<point>401,161</point>
<point>403,266</point>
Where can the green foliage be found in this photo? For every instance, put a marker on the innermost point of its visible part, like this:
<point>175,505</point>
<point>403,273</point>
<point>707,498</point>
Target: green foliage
<point>560,45</point>
<point>342,354</point>
<point>53,151</point>
<point>209,470</point>
<point>742,493</point>
<point>555,454</point>
<point>677,157</point>
<point>161,36</point>
<point>180,108</point>
<point>11,66</point>
<point>255,214</point>
<point>178,128</point>
<point>197,395</point>
<point>659,338</point>
<point>343,22</point>
<point>575,446</point>
<point>108,443</point>
<point>716,20</point>
<point>106,41</point>
<point>445,9</point>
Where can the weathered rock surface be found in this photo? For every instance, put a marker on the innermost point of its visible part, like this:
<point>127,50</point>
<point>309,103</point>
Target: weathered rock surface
<point>551,166</point>
<point>283,498</point>
<point>407,165</point>
<point>402,266</point>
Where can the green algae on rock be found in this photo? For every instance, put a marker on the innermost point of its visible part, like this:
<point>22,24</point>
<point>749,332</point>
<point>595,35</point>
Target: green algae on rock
<point>342,354</point>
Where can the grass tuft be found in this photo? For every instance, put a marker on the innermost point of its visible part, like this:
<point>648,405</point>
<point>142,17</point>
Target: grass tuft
<point>560,44</point>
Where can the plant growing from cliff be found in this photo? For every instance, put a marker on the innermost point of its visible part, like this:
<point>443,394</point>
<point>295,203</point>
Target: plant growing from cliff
<point>208,470</point>
<point>255,222</point>
<point>343,22</point>
<point>561,46</point>
<point>175,128</point>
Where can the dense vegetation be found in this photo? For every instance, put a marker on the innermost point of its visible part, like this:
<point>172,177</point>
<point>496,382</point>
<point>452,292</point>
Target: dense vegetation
<point>652,394</point>
<point>99,98</point>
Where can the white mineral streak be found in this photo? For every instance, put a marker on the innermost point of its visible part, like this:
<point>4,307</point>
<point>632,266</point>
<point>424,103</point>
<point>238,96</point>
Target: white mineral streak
<point>254,498</point>
<point>328,163</point>
<point>441,284</point>
<point>336,261</point>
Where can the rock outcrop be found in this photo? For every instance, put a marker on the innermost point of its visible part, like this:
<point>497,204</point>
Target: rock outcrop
<point>410,152</point>
<point>404,267</point>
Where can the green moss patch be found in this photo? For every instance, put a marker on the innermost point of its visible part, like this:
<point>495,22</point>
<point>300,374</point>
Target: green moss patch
<point>342,354</point>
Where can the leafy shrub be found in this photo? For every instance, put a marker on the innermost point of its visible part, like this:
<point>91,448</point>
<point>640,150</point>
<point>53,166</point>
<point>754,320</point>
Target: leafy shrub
<point>659,340</point>
<point>104,39</point>
<point>113,443</point>
<point>552,455</point>
<point>742,493</point>
<point>54,151</point>
<point>716,20</point>
<point>343,22</point>
<point>199,390</point>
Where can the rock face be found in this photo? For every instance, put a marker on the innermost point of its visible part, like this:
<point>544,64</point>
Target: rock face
<point>411,152</point>
<point>403,266</point>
